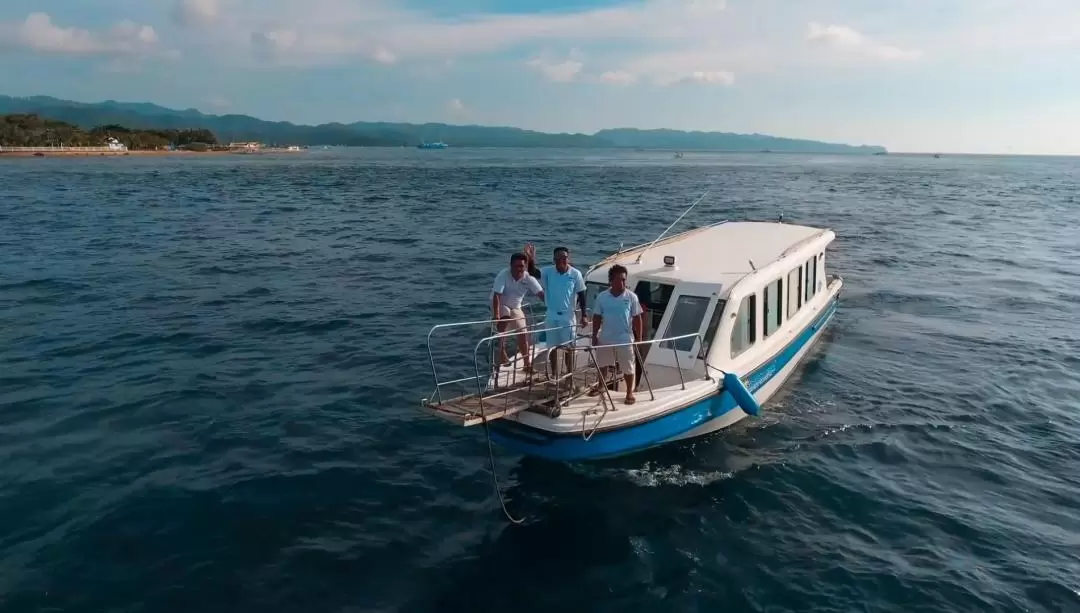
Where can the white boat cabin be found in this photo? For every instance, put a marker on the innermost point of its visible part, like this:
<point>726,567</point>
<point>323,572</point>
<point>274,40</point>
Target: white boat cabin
<point>761,274</point>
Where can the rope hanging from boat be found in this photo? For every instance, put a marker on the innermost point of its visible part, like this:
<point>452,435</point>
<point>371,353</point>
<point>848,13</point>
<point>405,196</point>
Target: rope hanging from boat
<point>709,366</point>
<point>491,451</point>
<point>495,477</point>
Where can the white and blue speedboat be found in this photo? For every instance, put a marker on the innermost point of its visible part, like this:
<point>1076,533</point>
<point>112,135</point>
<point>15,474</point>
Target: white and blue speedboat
<point>730,310</point>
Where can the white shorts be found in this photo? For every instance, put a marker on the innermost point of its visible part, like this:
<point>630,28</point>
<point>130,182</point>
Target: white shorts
<point>623,355</point>
<point>560,333</point>
<point>515,317</point>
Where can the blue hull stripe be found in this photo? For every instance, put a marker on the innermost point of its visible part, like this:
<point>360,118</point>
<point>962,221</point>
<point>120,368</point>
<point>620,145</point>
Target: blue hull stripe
<point>527,440</point>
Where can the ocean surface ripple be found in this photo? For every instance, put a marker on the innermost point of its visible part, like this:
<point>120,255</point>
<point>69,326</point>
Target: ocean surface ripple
<point>210,373</point>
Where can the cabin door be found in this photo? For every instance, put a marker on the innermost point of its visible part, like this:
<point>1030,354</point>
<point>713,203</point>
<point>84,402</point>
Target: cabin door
<point>690,310</point>
<point>654,298</point>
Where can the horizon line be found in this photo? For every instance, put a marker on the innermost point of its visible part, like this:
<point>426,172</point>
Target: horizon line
<point>588,134</point>
<point>443,123</point>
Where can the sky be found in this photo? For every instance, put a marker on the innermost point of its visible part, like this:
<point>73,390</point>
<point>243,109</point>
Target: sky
<point>951,76</point>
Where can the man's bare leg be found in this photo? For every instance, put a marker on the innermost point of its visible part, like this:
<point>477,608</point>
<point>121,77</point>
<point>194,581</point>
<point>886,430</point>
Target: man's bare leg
<point>500,327</point>
<point>568,359</point>
<point>629,379</point>
<point>553,362</point>
<point>523,349</point>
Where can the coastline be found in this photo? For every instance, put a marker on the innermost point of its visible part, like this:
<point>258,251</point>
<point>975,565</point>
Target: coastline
<point>135,153</point>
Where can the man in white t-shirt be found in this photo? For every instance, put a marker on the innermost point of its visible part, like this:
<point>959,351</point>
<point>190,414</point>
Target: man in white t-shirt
<point>511,286</point>
<point>616,320</point>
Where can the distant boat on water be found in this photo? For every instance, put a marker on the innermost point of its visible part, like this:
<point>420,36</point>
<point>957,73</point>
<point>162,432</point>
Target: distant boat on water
<point>435,145</point>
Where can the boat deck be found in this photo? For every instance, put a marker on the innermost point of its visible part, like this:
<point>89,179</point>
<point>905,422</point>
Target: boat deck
<point>537,393</point>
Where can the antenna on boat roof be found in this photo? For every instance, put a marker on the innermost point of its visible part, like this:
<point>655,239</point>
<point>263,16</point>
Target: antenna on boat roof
<point>700,198</point>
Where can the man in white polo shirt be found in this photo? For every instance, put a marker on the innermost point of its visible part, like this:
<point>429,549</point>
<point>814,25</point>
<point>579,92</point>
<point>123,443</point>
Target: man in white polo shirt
<point>511,286</point>
<point>616,320</point>
<point>561,283</point>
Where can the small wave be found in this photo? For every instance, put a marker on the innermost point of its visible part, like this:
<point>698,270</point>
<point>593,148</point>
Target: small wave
<point>398,240</point>
<point>47,283</point>
<point>676,475</point>
<point>283,326</point>
<point>218,270</point>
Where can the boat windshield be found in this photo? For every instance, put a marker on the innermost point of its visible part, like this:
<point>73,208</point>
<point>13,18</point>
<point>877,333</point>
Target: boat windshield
<point>591,290</point>
<point>687,318</point>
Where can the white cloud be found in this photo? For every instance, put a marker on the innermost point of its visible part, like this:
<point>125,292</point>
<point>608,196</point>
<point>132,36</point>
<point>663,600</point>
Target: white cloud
<point>135,33</point>
<point>39,34</point>
<point>383,56</point>
<point>618,77</point>
<point>334,30</point>
<point>456,108</point>
<point>218,102</point>
<point>196,12</point>
<point>1002,26</point>
<point>707,5</point>
<point>559,72</point>
<point>272,43</point>
<point>844,37</point>
<point>705,66</point>
<point>714,77</point>
<point>631,42</point>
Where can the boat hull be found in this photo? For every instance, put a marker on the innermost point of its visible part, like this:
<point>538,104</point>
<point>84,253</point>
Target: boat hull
<point>715,411</point>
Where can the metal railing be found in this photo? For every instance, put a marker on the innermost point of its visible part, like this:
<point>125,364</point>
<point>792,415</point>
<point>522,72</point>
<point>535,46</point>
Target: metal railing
<point>437,393</point>
<point>488,392</point>
<point>602,382</point>
<point>510,387</point>
<point>606,391</point>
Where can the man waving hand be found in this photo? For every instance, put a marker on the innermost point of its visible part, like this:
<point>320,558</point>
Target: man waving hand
<point>561,282</point>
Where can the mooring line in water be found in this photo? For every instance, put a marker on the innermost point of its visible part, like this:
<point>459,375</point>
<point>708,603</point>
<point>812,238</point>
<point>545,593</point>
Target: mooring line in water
<point>495,476</point>
<point>487,435</point>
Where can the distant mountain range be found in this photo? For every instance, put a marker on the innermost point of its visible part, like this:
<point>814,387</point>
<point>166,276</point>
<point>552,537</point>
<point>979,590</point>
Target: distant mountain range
<point>234,128</point>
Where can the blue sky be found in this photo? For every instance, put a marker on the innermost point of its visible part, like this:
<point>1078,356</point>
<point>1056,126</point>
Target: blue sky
<point>980,76</point>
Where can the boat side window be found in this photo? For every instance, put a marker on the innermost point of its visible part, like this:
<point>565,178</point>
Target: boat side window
<point>710,332</point>
<point>744,332</point>
<point>795,294</point>
<point>687,318</point>
<point>773,306</point>
<point>811,277</point>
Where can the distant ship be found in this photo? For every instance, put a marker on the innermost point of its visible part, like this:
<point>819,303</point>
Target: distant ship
<point>435,145</point>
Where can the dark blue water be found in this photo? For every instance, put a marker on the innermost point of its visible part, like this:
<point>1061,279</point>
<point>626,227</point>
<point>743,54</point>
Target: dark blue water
<point>210,371</point>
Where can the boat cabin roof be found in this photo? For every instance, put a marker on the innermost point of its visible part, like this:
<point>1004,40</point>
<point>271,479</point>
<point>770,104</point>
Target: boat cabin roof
<point>721,253</point>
